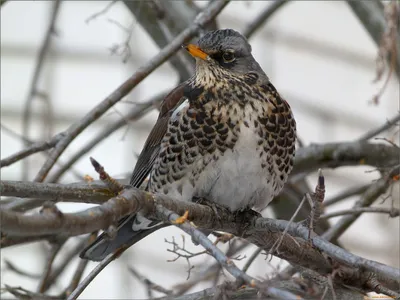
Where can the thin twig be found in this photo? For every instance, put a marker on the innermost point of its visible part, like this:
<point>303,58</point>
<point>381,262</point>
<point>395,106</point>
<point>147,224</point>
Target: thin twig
<point>369,197</point>
<point>346,194</point>
<point>374,132</point>
<point>67,259</point>
<point>79,270</point>
<point>392,212</point>
<point>88,279</point>
<point>9,266</point>
<point>150,285</point>
<point>263,17</point>
<point>102,12</point>
<point>32,149</point>
<point>55,249</point>
<point>36,75</point>
<point>277,244</point>
<point>251,259</point>
<point>228,264</point>
<point>139,111</point>
<point>22,293</point>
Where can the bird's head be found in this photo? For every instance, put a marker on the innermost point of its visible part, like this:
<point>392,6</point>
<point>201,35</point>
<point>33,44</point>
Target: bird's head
<point>223,52</point>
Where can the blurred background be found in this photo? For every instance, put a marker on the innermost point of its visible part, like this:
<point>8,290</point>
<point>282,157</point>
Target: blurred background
<point>316,53</point>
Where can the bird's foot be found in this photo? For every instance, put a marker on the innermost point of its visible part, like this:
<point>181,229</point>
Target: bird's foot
<point>214,206</point>
<point>181,219</point>
<point>223,237</point>
<point>243,218</point>
<point>247,214</point>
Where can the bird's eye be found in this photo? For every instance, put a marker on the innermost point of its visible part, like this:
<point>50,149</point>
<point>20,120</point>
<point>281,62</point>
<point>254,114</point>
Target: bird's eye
<point>228,56</point>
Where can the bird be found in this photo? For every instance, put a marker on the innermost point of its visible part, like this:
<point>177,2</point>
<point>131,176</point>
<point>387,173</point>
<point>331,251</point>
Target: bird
<point>225,135</point>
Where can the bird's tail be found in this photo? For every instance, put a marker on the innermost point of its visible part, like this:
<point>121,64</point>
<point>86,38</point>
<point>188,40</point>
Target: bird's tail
<point>130,230</point>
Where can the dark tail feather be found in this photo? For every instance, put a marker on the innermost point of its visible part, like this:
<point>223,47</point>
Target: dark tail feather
<point>125,238</point>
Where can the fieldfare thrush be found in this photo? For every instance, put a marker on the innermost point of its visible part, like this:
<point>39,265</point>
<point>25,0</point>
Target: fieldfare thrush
<point>225,135</point>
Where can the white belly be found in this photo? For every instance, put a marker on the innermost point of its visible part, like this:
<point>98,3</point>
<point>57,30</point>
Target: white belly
<point>236,180</point>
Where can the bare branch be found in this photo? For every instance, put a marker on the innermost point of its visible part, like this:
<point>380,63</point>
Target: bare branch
<point>262,18</point>
<point>36,75</point>
<point>333,155</point>
<point>22,293</point>
<point>392,212</point>
<point>95,193</point>
<point>228,264</point>
<point>88,279</point>
<point>79,270</point>
<point>55,249</point>
<point>369,197</point>
<point>32,149</point>
<point>139,111</point>
<point>346,194</point>
<point>389,123</point>
<point>9,266</point>
<point>371,15</point>
<point>102,12</point>
<point>149,284</point>
<point>155,22</point>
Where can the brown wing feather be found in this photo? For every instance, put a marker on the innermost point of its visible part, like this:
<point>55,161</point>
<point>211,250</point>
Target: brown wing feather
<point>152,146</point>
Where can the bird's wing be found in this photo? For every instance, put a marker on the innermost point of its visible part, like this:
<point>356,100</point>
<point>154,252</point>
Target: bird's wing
<point>152,146</point>
<point>133,228</point>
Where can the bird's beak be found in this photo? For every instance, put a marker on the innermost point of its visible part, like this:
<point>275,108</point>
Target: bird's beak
<point>195,51</point>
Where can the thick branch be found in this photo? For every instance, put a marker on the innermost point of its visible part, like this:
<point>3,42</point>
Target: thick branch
<point>334,155</point>
<point>75,192</point>
<point>263,232</point>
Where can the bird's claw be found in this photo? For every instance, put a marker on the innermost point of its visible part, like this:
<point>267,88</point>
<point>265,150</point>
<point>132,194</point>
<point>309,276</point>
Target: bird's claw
<point>181,219</point>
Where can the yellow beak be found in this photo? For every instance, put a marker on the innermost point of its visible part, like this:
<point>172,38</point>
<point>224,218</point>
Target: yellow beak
<point>195,51</point>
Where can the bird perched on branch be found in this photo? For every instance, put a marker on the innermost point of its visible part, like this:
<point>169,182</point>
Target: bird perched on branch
<point>225,135</point>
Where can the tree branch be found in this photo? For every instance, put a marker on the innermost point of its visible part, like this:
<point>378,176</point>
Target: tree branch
<point>392,212</point>
<point>371,15</point>
<point>137,112</point>
<point>388,124</point>
<point>369,197</point>
<point>260,231</point>
<point>26,123</point>
<point>95,193</point>
<point>262,18</point>
<point>152,20</point>
<point>333,155</point>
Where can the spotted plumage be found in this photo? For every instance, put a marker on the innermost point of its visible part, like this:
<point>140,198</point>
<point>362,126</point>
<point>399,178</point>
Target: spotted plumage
<point>225,135</point>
